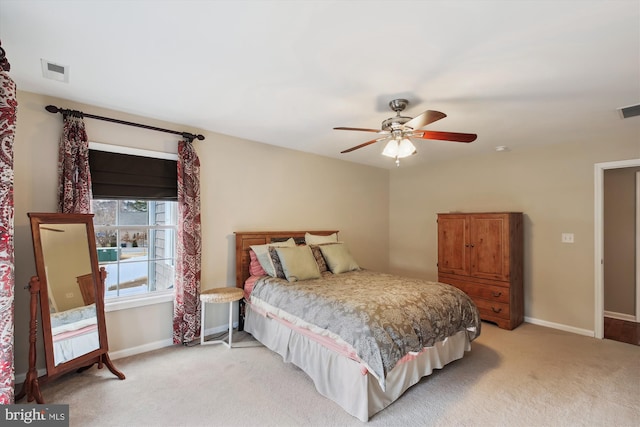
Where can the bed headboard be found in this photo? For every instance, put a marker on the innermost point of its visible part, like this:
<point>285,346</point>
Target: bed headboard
<point>244,240</point>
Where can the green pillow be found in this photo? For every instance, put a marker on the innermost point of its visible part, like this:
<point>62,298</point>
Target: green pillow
<point>298,263</point>
<point>338,258</point>
<point>262,253</point>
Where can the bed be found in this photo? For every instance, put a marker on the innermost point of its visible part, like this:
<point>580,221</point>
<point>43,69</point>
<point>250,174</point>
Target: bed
<point>363,337</point>
<point>74,333</point>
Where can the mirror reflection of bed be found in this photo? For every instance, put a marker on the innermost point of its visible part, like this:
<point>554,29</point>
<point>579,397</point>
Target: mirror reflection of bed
<point>71,290</point>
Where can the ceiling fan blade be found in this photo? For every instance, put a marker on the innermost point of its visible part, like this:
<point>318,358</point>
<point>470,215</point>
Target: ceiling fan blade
<point>360,129</point>
<point>364,144</point>
<point>445,136</point>
<point>424,119</point>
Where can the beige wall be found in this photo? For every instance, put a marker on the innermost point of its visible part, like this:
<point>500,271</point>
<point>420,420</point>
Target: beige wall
<point>620,240</point>
<point>245,185</point>
<point>553,186</point>
<point>388,218</point>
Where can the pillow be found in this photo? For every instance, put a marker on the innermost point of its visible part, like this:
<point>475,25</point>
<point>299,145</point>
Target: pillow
<point>338,258</point>
<point>277,264</point>
<point>255,269</point>
<point>317,254</point>
<point>314,239</point>
<point>298,263</point>
<point>262,252</point>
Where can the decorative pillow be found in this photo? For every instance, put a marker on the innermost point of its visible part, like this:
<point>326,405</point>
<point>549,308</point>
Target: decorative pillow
<point>314,239</point>
<point>298,263</point>
<point>317,254</point>
<point>262,252</point>
<point>338,258</point>
<point>277,264</point>
<point>255,269</point>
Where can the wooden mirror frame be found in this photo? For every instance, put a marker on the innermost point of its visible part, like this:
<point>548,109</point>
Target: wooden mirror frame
<point>39,285</point>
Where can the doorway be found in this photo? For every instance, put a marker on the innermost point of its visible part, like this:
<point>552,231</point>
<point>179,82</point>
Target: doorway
<point>599,328</point>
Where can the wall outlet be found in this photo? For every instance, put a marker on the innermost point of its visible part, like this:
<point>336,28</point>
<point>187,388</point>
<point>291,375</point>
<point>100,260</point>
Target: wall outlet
<point>69,295</point>
<point>567,237</point>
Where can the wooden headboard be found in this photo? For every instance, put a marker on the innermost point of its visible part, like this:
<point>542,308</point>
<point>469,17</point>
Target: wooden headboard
<point>244,240</point>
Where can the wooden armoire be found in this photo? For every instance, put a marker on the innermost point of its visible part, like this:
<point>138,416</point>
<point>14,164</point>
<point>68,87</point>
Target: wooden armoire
<point>482,254</point>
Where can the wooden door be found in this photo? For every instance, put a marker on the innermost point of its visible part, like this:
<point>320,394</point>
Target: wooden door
<point>453,249</point>
<point>489,242</point>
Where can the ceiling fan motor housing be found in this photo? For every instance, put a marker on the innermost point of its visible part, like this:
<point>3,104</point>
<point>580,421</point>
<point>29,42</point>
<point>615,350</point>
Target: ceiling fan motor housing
<point>395,123</point>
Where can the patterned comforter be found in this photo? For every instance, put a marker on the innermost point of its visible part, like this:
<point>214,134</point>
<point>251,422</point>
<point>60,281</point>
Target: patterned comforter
<point>381,316</point>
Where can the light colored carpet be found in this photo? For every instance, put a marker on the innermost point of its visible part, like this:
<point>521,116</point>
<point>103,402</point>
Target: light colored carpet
<point>531,376</point>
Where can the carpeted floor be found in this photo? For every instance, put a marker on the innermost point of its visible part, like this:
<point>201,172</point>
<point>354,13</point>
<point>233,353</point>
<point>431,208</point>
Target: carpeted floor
<point>531,376</point>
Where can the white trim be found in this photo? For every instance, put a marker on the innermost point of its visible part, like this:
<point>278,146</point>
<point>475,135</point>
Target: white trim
<point>637,247</point>
<point>559,326</point>
<point>620,316</point>
<point>23,376</point>
<point>598,230</point>
<point>125,303</point>
<point>132,351</point>
<point>132,151</point>
<point>219,329</point>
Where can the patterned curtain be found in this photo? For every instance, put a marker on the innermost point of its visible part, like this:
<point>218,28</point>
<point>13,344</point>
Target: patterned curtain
<point>186,308</point>
<point>8,111</point>
<point>74,178</point>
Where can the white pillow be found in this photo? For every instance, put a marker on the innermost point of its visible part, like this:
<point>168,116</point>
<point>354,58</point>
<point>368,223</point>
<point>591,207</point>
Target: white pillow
<point>262,253</point>
<point>338,258</point>
<point>314,239</point>
<point>298,263</point>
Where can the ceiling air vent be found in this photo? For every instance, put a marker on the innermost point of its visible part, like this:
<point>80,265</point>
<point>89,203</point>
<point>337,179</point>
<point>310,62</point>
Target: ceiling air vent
<point>54,71</point>
<point>631,111</point>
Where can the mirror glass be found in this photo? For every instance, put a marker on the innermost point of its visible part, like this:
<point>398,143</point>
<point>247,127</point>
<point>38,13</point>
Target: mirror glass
<point>70,290</point>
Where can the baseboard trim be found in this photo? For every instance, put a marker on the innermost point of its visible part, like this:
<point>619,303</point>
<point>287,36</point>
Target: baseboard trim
<point>560,326</point>
<point>219,329</point>
<point>114,355</point>
<point>161,344</point>
<point>620,316</point>
<point>21,377</point>
<point>119,354</point>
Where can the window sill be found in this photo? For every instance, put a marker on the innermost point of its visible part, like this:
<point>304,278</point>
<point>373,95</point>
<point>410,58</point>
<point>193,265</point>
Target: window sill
<point>125,303</point>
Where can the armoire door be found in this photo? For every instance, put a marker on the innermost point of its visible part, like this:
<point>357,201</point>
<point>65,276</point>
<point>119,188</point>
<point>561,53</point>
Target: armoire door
<point>489,244</point>
<point>453,246</point>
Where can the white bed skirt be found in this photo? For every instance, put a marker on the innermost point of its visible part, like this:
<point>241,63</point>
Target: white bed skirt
<point>359,394</point>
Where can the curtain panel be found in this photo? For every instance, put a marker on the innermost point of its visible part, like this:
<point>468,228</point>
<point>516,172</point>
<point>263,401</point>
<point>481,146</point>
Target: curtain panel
<point>8,112</point>
<point>74,178</point>
<point>186,315</point>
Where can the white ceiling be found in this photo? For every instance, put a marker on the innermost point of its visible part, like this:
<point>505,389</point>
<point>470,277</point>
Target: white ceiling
<point>286,72</point>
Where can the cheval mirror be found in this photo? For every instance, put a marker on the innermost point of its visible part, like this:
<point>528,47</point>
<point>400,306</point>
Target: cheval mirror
<point>71,295</point>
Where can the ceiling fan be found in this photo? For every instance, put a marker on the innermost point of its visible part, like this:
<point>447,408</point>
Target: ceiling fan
<point>399,129</point>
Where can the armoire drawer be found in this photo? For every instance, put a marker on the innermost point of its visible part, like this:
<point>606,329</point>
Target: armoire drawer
<point>478,290</point>
<point>492,308</point>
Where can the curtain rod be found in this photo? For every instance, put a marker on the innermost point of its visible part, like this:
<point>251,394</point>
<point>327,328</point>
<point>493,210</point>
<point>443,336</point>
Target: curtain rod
<point>53,109</point>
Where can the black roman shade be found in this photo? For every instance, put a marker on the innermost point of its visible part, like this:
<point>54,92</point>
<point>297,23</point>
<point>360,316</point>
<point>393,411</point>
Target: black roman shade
<point>125,176</point>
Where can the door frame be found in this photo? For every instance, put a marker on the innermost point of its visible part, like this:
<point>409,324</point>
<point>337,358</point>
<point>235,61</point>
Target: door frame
<point>638,247</point>
<point>599,169</point>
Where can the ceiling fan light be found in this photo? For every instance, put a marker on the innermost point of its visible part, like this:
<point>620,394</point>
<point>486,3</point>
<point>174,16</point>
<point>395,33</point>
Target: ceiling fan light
<point>406,149</point>
<point>391,149</point>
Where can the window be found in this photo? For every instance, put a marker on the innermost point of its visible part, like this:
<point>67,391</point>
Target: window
<point>135,220</point>
<point>136,243</point>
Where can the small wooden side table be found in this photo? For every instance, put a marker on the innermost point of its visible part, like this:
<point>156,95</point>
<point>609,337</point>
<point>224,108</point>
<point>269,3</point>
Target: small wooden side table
<point>219,295</point>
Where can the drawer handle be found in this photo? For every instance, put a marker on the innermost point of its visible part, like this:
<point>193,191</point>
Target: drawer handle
<point>496,310</point>
<point>496,294</point>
